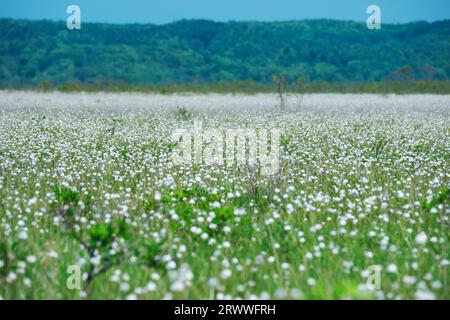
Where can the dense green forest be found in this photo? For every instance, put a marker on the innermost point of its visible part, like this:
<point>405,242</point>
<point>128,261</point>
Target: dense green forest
<point>200,52</point>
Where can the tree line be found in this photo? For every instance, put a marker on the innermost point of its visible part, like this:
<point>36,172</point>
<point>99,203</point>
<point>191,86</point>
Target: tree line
<point>206,55</point>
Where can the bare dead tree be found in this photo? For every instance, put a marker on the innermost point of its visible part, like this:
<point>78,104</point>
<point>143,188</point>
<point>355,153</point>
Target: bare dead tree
<point>300,88</point>
<point>281,85</point>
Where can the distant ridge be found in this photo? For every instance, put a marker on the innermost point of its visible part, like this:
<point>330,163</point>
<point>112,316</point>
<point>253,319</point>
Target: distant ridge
<point>202,51</point>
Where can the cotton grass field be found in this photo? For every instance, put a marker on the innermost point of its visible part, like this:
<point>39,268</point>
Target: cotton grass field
<point>88,187</point>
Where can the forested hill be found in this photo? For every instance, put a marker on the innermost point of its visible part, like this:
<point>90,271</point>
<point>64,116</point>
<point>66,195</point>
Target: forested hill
<point>200,51</point>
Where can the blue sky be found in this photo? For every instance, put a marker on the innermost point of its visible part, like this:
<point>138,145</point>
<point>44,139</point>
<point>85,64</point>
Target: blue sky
<point>163,11</point>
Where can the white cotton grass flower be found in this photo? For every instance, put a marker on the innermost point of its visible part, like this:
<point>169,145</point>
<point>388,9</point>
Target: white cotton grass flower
<point>436,285</point>
<point>204,236</point>
<point>226,273</point>
<point>177,286</point>
<point>421,238</point>
<point>281,293</point>
<point>409,280</point>
<point>180,278</point>
<point>124,286</point>
<point>96,260</point>
<point>311,281</point>
<point>155,276</point>
<point>171,265</point>
<point>151,286</point>
<point>296,294</point>
<point>23,235</point>
<point>391,268</point>
<point>285,266</point>
<point>424,295</point>
<point>213,283</point>
<point>290,208</point>
<point>264,295</point>
<point>27,282</point>
<point>52,254</point>
<point>11,277</point>
<point>115,278</point>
